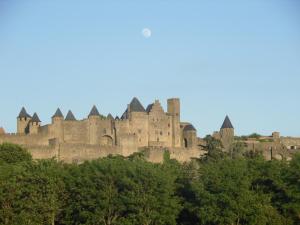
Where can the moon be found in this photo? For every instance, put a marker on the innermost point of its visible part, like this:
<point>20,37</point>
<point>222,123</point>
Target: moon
<point>146,32</point>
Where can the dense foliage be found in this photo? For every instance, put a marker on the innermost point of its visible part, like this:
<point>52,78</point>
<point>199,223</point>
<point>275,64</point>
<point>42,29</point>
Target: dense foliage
<point>233,188</point>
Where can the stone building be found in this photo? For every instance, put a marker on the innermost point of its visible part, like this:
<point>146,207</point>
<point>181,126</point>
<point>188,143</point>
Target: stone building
<point>271,147</point>
<point>226,134</point>
<point>152,130</point>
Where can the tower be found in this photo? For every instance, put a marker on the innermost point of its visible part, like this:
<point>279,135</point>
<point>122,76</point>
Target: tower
<point>23,122</point>
<point>189,136</point>
<point>34,124</point>
<point>138,122</point>
<point>227,133</point>
<point>174,113</point>
<point>57,124</point>
<point>93,117</point>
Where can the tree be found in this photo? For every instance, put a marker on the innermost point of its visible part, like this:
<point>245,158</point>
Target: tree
<point>214,149</point>
<point>292,179</point>
<point>30,192</point>
<point>237,150</point>
<point>223,194</point>
<point>120,191</point>
<point>11,153</point>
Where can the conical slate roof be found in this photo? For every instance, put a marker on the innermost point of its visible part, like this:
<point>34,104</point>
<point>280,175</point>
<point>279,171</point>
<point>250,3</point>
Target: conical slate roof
<point>23,113</point>
<point>35,118</point>
<point>125,116</point>
<point>227,123</point>
<point>70,116</point>
<point>149,107</point>
<point>136,106</point>
<point>94,111</point>
<point>117,118</point>
<point>58,113</point>
<point>110,117</point>
<point>189,127</point>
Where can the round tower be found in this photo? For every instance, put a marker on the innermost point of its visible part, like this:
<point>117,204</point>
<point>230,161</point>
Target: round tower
<point>57,125</point>
<point>34,124</point>
<point>23,120</point>
<point>189,136</point>
<point>93,118</point>
<point>227,133</point>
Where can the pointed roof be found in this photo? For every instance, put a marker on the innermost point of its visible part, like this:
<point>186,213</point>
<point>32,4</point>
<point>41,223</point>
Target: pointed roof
<point>94,111</point>
<point>58,113</point>
<point>227,123</point>
<point>149,107</point>
<point>189,127</point>
<point>117,118</point>
<point>70,116</point>
<point>35,118</point>
<point>136,106</point>
<point>125,116</point>
<point>23,113</point>
<point>110,117</point>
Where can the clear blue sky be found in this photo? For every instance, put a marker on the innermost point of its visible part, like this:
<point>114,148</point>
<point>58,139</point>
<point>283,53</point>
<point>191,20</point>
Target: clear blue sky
<point>240,58</point>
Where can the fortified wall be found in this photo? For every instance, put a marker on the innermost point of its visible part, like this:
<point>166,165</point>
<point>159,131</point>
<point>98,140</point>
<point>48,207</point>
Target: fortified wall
<point>72,140</point>
<point>271,147</point>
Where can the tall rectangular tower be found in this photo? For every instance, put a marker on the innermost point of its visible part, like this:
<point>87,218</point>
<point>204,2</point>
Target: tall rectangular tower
<point>174,112</point>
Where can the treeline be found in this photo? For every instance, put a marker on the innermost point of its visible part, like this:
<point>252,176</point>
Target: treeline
<point>220,189</point>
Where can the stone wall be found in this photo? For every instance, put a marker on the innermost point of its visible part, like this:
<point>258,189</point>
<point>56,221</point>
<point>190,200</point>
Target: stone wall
<point>159,126</point>
<point>290,142</point>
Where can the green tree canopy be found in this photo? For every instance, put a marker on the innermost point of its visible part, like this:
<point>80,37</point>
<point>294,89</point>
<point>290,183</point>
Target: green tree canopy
<point>11,153</point>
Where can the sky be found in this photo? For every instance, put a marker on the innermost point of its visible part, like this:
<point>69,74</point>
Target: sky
<point>236,57</point>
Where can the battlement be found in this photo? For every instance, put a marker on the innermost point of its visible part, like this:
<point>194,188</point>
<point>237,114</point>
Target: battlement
<point>98,135</point>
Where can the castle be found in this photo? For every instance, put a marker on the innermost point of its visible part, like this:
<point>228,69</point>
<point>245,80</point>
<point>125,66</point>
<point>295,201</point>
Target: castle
<point>151,130</point>
<point>66,138</point>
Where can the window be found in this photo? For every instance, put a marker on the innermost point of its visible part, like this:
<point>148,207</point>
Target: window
<point>104,131</point>
<point>140,131</point>
<point>157,139</point>
<point>185,143</point>
<point>161,133</point>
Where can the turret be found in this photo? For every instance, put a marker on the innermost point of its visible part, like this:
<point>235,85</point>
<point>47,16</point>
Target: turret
<point>110,117</point>
<point>93,118</point>
<point>227,133</point>
<point>57,124</point>
<point>57,117</point>
<point>23,122</point>
<point>189,136</point>
<point>174,113</point>
<point>135,108</point>
<point>138,122</point>
<point>94,113</point>
<point>70,116</point>
<point>34,124</point>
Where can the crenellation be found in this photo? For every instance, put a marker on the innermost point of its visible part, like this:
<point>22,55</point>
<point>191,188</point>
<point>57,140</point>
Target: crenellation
<point>69,139</point>
<point>153,128</point>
